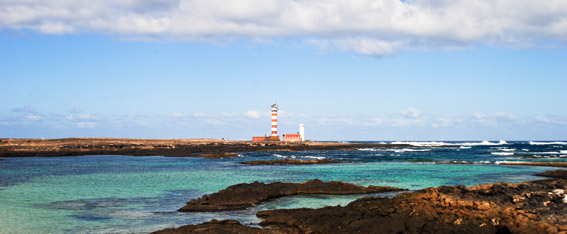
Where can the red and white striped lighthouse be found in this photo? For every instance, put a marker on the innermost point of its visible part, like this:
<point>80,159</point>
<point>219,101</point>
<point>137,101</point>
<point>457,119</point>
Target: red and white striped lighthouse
<point>274,120</point>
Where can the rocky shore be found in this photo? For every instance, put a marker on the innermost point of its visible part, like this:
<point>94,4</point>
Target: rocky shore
<point>529,207</point>
<point>241,196</point>
<point>166,147</point>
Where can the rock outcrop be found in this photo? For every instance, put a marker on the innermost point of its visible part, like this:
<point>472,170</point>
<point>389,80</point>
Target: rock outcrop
<point>165,147</point>
<point>217,227</point>
<point>559,174</point>
<point>219,155</point>
<point>241,196</point>
<point>534,207</point>
<point>530,207</point>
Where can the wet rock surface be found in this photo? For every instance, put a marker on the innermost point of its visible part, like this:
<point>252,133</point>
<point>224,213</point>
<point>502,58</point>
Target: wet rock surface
<point>241,196</point>
<point>219,155</point>
<point>535,207</point>
<point>217,227</point>
<point>560,174</point>
<point>289,162</point>
<point>530,207</point>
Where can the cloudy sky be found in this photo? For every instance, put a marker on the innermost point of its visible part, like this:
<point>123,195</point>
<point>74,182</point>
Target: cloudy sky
<point>347,69</point>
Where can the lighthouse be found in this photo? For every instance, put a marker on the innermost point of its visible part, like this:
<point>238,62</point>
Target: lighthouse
<point>274,136</point>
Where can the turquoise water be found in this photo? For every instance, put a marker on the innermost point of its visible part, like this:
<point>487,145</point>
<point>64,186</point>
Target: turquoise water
<point>121,194</point>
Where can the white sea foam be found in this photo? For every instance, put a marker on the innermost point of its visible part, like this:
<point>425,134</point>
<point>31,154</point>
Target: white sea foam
<point>501,142</point>
<point>503,153</point>
<point>440,143</point>
<point>422,143</point>
<point>465,147</point>
<point>394,150</point>
<point>506,149</point>
<point>563,151</point>
<point>548,153</point>
<point>280,156</point>
<point>315,157</point>
<point>366,149</point>
<point>548,143</point>
<point>409,150</point>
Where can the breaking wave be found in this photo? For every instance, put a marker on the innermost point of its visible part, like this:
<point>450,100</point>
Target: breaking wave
<point>503,153</point>
<point>440,143</point>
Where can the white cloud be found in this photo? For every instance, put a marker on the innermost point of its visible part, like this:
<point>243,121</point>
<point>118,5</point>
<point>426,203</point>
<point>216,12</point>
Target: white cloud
<point>500,116</point>
<point>215,122</point>
<point>556,120</point>
<point>177,115</point>
<point>25,109</point>
<point>199,114</point>
<point>88,125</point>
<point>81,117</point>
<point>32,117</point>
<point>228,115</point>
<point>411,113</point>
<point>371,27</point>
<point>391,122</point>
<point>253,114</point>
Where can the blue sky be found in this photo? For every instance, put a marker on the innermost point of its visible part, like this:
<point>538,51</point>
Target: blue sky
<point>354,70</point>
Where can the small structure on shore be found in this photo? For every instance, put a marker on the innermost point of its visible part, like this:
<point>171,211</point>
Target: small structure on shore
<point>286,137</point>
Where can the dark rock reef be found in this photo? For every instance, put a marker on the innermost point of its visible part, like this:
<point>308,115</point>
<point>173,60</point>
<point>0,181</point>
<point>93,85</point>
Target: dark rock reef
<point>530,207</point>
<point>215,226</point>
<point>289,162</point>
<point>559,174</point>
<point>535,207</point>
<point>241,196</point>
<point>218,155</point>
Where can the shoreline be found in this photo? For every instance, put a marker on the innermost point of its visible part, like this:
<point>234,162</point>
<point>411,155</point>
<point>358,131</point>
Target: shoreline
<point>163,147</point>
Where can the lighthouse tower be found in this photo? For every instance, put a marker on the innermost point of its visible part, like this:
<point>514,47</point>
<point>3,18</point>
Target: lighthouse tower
<point>274,136</point>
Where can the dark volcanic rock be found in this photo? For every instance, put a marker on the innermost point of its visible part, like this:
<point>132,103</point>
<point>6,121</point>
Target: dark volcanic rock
<point>289,161</point>
<point>219,155</point>
<point>560,174</point>
<point>166,147</point>
<point>216,227</point>
<point>241,196</point>
<point>535,207</point>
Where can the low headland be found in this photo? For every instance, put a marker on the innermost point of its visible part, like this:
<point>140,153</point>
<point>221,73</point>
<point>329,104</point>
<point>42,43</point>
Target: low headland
<point>209,148</point>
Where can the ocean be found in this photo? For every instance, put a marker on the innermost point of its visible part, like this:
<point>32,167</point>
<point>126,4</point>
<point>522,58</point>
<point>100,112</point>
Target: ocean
<point>125,194</point>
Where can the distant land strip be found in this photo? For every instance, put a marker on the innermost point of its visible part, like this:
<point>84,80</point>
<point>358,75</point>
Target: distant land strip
<point>164,147</point>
